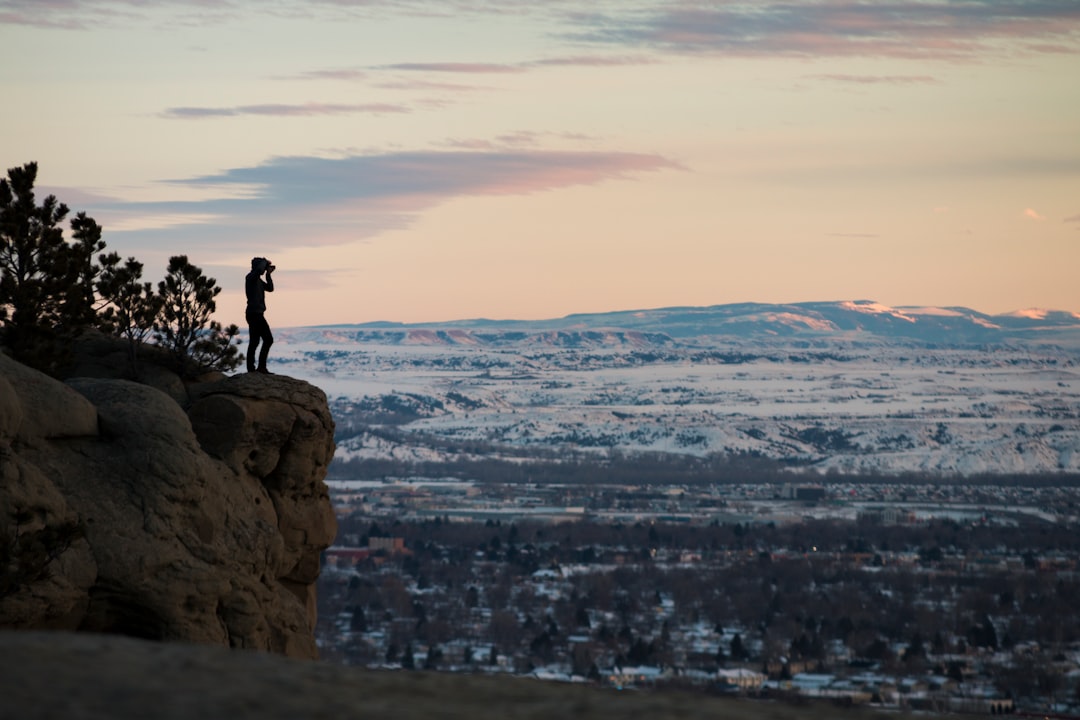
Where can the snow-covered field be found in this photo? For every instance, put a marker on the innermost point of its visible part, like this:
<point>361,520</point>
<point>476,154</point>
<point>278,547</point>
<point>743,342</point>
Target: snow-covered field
<point>888,408</point>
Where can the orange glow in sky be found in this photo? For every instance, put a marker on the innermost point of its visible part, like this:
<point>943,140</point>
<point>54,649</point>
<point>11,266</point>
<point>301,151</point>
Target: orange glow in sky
<point>423,160</point>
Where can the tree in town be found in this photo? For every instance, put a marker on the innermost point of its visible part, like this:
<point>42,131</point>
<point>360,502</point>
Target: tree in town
<point>358,621</point>
<point>183,324</point>
<point>983,634</point>
<point>434,658</point>
<point>504,631</point>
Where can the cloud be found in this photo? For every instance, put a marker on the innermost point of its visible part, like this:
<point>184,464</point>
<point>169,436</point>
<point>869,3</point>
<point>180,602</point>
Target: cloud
<point>1028,212</point>
<point>94,14</point>
<point>478,68</point>
<point>840,28</point>
<point>54,14</point>
<point>432,176</point>
<point>518,139</point>
<point>454,67</point>
<point>878,79</point>
<point>462,68</point>
<point>83,14</point>
<point>427,86</point>
<point>930,29</point>
<point>592,61</point>
<point>349,74</point>
<point>407,82</point>
<point>326,201</point>
<point>74,197</point>
<point>283,110</point>
<point>1074,218</point>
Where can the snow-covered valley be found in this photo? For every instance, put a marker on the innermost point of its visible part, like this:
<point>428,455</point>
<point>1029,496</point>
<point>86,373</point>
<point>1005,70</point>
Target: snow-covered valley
<point>853,404</point>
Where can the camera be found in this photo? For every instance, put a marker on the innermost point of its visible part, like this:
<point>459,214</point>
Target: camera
<point>270,267</point>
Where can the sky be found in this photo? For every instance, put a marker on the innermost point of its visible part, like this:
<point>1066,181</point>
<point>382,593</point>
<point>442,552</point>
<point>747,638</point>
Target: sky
<point>432,160</point>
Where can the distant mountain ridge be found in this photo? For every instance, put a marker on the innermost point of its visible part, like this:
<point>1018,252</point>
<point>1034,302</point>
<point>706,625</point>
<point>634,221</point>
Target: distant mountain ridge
<point>849,320</point>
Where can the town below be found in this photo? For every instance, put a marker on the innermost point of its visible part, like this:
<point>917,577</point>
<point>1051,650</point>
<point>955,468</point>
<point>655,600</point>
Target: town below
<point>945,596</point>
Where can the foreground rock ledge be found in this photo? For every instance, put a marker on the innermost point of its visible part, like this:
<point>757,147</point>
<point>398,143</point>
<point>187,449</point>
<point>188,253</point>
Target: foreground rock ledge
<point>91,677</point>
<point>196,521</point>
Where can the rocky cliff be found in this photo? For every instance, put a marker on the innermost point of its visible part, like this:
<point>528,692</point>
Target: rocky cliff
<point>196,513</point>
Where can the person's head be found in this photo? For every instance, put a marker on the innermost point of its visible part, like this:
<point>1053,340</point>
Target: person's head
<point>259,264</point>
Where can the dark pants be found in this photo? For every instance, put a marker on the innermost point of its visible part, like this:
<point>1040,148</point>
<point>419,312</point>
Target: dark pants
<point>258,331</point>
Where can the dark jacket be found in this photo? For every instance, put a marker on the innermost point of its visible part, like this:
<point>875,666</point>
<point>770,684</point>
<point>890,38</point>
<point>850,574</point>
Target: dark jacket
<point>256,290</point>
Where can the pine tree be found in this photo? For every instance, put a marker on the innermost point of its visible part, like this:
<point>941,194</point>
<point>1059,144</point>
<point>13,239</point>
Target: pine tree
<point>183,323</point>
<point>129,306</point>
<point>51,289</point>
<point>80,311</point>
<point>46,283</point>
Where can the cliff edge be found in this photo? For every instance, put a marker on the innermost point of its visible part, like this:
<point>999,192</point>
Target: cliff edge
<point>196,514</point>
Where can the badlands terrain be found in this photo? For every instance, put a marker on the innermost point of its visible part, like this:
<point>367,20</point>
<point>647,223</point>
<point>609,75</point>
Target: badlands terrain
<point>853,387</point>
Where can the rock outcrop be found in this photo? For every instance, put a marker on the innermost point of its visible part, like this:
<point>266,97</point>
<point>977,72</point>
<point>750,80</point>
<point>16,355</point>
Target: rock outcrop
<point>197,513</point>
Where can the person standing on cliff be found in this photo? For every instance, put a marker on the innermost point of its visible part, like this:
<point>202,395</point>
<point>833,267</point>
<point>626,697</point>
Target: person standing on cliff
<point>258,329</point>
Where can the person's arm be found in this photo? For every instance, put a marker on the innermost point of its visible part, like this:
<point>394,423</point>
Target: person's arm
<point>269,284</point>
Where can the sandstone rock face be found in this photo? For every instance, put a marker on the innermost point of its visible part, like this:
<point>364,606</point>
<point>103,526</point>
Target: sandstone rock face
<point>203,525</point>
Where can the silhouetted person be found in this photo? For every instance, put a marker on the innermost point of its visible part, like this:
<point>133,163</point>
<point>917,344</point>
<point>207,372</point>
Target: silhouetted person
<point>258,329</point>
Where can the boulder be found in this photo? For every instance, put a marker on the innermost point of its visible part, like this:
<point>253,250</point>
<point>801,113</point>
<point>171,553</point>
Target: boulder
<point>39,408</point>
<point>48,566</point>
<point>204,526</point>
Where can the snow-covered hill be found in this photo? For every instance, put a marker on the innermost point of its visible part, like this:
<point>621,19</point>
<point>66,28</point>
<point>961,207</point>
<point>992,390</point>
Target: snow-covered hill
<point>851,387</point>
<point>862,320</point>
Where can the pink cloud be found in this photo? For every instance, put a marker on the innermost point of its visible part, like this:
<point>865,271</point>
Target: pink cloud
<point>930,29</point>
<point>455,67</point>
<point>839,28</point>
<point>467,68</point>
<point>878,79</point>
<point>348,198</point>
<point>283,110</point>
<point>73,197</point>
<point>593,61</point>
<point>94,14</point>
<point>350,74</point>
<point>1034,215</point>
<point>427,86</point>
<point>518,139</point>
